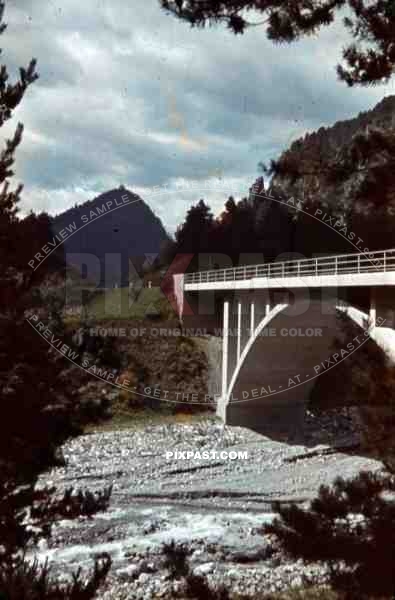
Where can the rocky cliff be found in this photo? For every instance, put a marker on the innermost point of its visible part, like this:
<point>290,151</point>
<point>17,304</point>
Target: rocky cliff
<point>331,165</point>
<point>347,172</point>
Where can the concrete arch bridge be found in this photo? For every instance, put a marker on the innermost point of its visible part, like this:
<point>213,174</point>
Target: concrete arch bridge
<point>278,323</point>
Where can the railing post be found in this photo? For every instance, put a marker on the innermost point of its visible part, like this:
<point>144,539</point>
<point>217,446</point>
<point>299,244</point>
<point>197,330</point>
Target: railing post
<point>316,267</point>
<point>283,269</point>
<point>359,263</point>
<point>336,265</point>
<point>385,261</point>
<point>298,268</point>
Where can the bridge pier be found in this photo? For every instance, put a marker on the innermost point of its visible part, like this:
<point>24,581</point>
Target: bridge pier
<point>282,419</point>
<point>266,387</point>
<point>225,345</point>
<point>252,318</point>
<point>239,306</point>
<point>372,308</point>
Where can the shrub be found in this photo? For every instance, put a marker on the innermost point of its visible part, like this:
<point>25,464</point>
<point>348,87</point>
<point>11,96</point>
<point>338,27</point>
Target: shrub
<point>23,580</point>
<point>176,559</point>
<point>350,527</point>
<point>20,580</point>
<point>71,505</point>
<point>196,586</point>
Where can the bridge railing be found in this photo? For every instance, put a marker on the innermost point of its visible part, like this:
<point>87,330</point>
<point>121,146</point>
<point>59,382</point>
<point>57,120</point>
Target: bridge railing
<point>378,261</point>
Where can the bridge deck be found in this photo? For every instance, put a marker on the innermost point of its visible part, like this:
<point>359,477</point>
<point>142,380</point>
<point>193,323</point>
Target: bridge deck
<point>375,268</point>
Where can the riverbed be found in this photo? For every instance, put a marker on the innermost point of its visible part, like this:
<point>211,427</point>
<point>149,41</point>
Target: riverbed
<point>215,505</point>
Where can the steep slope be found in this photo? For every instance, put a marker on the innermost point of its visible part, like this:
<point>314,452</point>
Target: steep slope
<point>345,174</point>
<point>114,234</point>
<point>325,165</point>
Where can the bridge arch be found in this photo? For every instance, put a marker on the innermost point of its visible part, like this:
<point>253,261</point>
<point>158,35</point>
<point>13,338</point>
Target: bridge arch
<point>271,383</point>
<point>267,319</point>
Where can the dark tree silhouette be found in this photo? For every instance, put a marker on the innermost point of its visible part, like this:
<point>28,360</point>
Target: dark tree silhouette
<point>196,227</point>
<point>244,231</point>
<point>368,59</point>
<point>351,528</point>
<point>37,412</point>
<point>195,235</point>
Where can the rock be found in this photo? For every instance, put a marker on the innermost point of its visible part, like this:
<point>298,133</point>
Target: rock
<point>177,586</point>
<point>42,544</point>
<point>130,572</point>
<point>297,582</point>
<point>143,578</point>
<point>150,527</point>
<point>233,573</point>
<point>204,569</point>
<point>197,554</point>
<point>147,567</point>
<point>246,556</point>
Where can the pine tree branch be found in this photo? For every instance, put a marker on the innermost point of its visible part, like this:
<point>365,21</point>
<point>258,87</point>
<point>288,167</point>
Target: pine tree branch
<point>369,61</point>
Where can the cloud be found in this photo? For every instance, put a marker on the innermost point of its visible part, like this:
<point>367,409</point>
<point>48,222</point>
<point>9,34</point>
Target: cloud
<point>136,97</point>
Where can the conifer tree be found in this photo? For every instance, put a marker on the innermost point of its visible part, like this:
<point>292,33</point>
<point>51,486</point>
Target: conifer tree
<point>368,59</point>
<point>37,412</point>
<point>351,528</point>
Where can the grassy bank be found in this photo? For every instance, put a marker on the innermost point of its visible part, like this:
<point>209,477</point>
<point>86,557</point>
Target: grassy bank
<point>119,303</point>
<point>140,418</point>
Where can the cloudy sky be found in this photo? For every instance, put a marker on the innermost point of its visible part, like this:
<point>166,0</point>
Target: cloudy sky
<point>129,95</point>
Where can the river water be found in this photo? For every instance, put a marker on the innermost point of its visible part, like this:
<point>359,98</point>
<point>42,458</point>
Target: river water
<point>215,505</point>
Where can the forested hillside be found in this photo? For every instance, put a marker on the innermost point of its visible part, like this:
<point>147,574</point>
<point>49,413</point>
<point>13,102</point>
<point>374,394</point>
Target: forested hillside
<point>108,226</point>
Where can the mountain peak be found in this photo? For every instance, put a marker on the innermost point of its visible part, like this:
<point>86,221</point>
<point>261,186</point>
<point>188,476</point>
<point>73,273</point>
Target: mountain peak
<point>111,232</point>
